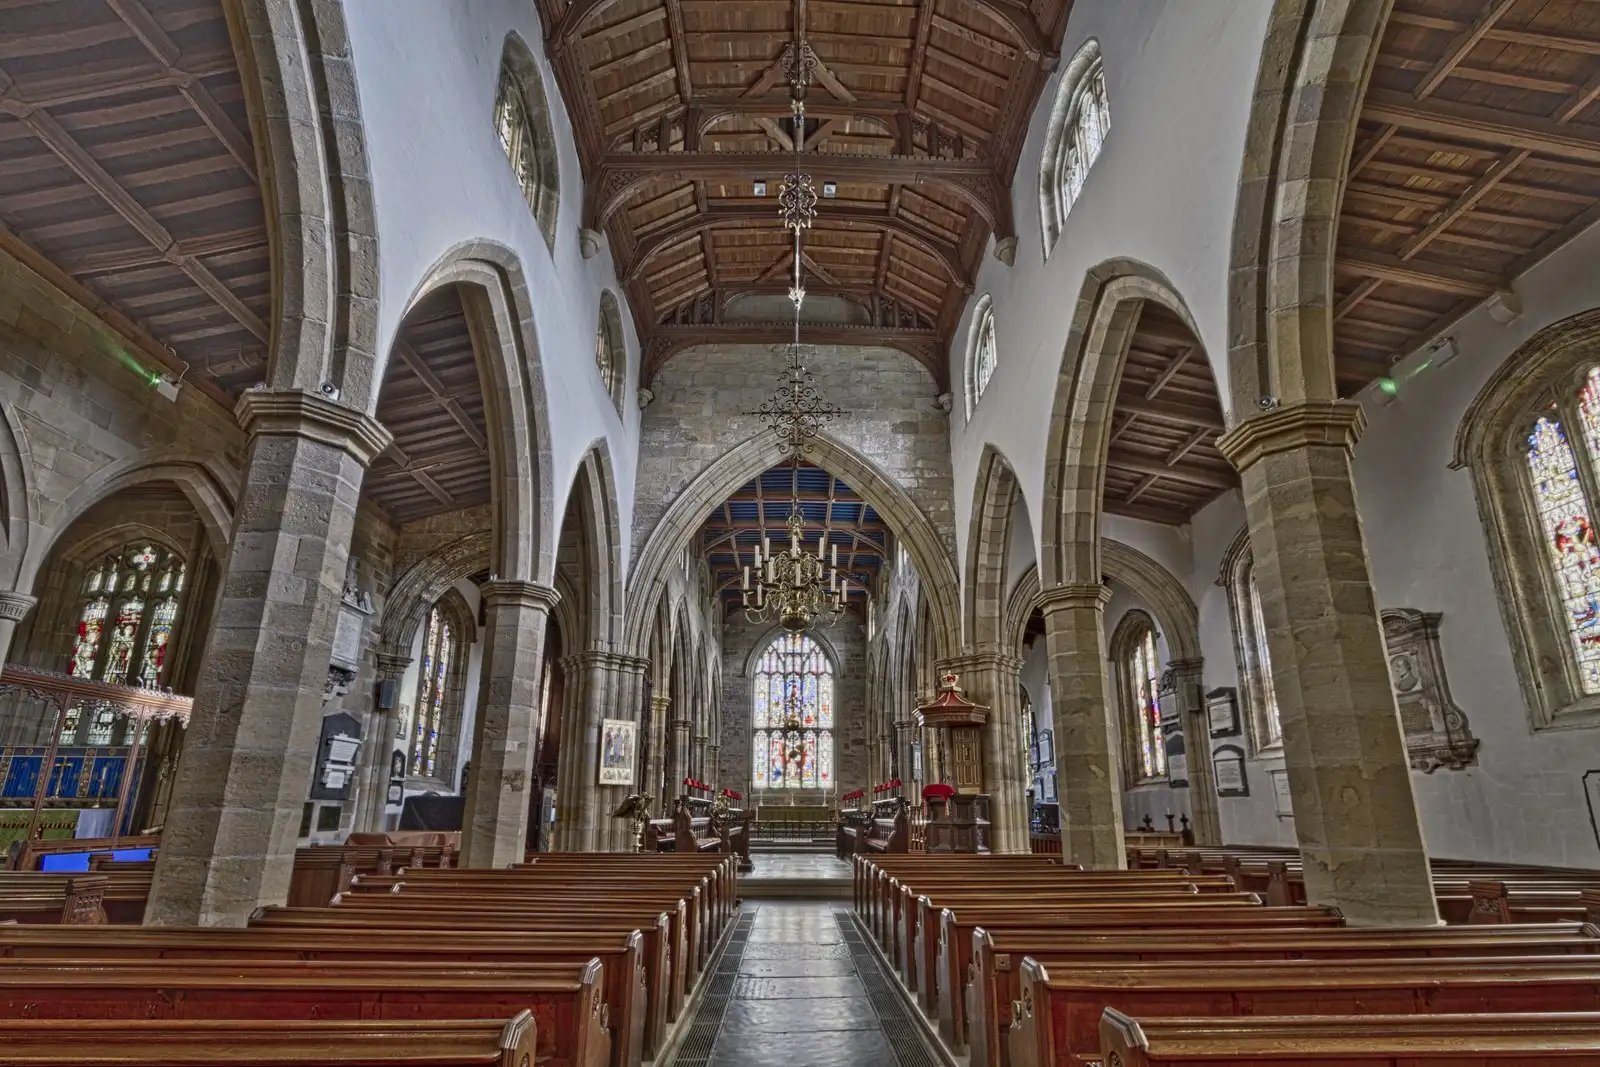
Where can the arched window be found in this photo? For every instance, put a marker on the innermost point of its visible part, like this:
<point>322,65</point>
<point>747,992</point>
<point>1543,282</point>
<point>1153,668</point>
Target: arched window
<point>1078,126</point>
<point>522,121</point>
<point>441,653</point>
<point>1138,684</point>
<point>982,353</point>
<point>793,716</point>
<point>1250,644</point>
<point>127,614</point>
<point>610,350</point>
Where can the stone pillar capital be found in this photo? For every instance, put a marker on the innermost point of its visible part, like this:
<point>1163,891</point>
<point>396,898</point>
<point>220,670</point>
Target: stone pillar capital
<point>600,659</point>
<point>1186,666</point>
<point>680,724</point>
<point>392,664</point>
<point>1312,423</point>
<point>14,607</point>
<point>292,413</point>
<point>519,593</point>
<point>660,702</point>
<point>1074,596</point>
<point>979,661</point>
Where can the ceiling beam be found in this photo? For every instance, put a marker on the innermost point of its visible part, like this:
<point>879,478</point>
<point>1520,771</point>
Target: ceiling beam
<point>924,346</point>
<point>1123,460</point>
<point>430,381</point>
<point>1172,411</point>
<point>834,216</point>
<point>1462,45</point>
<point>1167,372</point>
<point>1458,280</point>
<point>1447,118</point>
<point>973,181</point>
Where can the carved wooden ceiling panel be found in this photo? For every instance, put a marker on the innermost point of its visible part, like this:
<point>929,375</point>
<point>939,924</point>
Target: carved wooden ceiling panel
<point>1163,464</point>
<point>128,178</point>
<point>1478,154</point>
<point>916,115</point>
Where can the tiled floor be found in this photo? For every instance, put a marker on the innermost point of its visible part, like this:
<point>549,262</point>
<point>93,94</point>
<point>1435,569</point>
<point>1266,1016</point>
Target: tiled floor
<point>796,865</point>
<point>800,998</point>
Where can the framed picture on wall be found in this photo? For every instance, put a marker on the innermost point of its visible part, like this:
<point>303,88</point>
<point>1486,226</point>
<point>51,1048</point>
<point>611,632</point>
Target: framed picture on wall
<point>1222,712</point>
<point>618,744</point>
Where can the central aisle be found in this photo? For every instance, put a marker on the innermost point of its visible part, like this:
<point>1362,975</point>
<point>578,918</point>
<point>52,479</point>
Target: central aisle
<point>798,987</point>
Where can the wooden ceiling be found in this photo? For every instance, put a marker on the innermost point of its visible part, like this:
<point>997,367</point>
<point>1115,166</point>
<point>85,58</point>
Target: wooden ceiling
<point>1163,464</point>
<point>1478,154</point>
<point>432,401</point>
<point>832,510</point>
<point>917,114</point>
<point>128,177</point>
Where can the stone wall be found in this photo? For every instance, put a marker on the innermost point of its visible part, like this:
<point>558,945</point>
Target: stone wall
<point>703,397</point>
<point>847,640</point>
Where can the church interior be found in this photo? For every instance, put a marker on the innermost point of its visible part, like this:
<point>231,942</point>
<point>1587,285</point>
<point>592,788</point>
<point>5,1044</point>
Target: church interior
<point>715,533</point>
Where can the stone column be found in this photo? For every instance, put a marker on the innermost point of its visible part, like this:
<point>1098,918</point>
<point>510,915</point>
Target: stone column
<point>1207,823</point>
<point>14,607</point>
<point>1087,782</point>
<point>697,758</point>
<point>994,680</point>
<point>677,756</point>
<point>655,771</point>
<point>713,767</point>
<point>228,846</point>
<point>374,783</point>
<point>1349,777</point>
<point>600,685</point>
<point>494,821</point>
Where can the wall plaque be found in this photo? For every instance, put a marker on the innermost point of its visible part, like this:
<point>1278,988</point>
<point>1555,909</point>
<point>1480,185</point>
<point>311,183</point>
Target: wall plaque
<point>1222,712</point>
<point>1281,798</point>
<point>1591,792</point>
<point>1436,729</point>
<point>618,741</point>
<point>1227,762</point>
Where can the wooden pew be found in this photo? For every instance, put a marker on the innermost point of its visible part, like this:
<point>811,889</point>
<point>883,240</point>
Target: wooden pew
<point>985,977</point>
<point>279,1043</point>
<point>692,833</point>
<point>32,853</point>
<point>322,871</point>
<point>1058,1017</point>
<point>1352,1040</point>
<point>888,831</point>
<point>622,958</point>
<point>56,899</point>
<point>565,999</point>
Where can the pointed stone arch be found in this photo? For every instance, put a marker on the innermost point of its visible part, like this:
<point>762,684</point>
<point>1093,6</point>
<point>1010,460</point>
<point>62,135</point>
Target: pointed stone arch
<point>748,459</point>
<point>495,294</point>
<point>594,496</point>
<point>1106,316</point>
<point>988,542</point>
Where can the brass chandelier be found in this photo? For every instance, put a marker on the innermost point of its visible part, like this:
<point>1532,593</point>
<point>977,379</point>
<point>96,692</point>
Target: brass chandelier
<point>797,587</point>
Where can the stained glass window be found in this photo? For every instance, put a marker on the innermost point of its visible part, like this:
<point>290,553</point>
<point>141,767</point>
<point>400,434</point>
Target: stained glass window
<point>1141,682</point>
<point>1564,522</point>
<point>433,685</point>
<point>792,715</point>
<point>122,635</point>
<point>1079,122</point>
<point>1272,725</point>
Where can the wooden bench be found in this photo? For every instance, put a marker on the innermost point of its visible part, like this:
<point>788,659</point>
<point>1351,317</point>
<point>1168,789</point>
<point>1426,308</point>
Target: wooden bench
<point>693,833</point>
<point>279,1043</point>
<point>978,987</point>
<point>622,957</point>
<point>57,899</point>
<point>1057,1021</point>
<point>565,999</point>
<point>321,872</point>
<point>1351,1040</point>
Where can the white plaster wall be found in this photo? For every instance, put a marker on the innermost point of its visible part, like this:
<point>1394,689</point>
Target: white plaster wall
<point>1162,192</point>
<point>426,72</point>
<point>1524,801</point>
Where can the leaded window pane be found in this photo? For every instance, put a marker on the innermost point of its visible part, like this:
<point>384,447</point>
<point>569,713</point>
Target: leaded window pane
<point>792,715</point>
<point>1565,524</point>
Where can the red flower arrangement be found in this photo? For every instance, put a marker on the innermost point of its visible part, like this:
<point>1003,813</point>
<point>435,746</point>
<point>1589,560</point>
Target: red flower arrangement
<point>857,795</point>
<point>696,784</point>
<point>893,783</point>
<point>731,795</point>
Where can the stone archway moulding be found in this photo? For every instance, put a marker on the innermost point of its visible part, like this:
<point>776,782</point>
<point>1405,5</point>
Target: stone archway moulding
<point>750,458</point>
<point>209,486</point>
<point>988,544</point>
<point>1158,588</point>
<point>295,61</point>
<point>500,319</point>
<point>1106,316</point>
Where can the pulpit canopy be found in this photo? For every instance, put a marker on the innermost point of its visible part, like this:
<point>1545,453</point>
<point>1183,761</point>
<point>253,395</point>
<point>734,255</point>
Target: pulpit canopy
<point>950,708</point>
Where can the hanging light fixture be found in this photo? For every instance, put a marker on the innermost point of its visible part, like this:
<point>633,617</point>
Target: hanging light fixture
<point>798,587</point>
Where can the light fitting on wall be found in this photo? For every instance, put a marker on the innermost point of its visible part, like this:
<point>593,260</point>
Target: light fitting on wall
<point>797,587</point>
